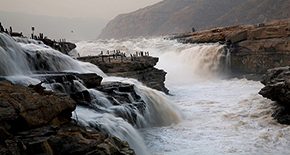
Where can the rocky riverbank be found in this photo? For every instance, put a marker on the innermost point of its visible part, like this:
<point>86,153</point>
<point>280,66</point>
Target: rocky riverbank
<point>254,48</point>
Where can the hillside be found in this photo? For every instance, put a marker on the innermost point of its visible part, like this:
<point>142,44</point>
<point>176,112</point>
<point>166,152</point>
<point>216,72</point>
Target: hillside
<point>179,16</point>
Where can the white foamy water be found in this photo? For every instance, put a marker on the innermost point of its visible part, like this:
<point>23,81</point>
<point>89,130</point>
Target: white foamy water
<point>222,116</point>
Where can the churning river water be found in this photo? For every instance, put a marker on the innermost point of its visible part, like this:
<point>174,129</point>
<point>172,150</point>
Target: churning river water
<point>221,115</point>
<point>206,113</point>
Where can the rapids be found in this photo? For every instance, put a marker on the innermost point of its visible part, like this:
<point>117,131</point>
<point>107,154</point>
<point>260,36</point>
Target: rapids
<point>206,114</point>
<point>222,116</point>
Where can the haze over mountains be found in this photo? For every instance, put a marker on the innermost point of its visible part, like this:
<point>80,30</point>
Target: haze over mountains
<point>54,27</point>
<point>179,16</point>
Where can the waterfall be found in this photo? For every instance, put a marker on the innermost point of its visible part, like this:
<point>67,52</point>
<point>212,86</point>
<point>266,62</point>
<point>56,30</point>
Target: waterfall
<point>199,61</point>
<point>22,63</point>
<point>182,62</point>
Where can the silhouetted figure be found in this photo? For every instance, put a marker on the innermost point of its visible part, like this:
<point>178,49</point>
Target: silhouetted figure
<point>131,57</point>
<point>193,29</point>
<point>1,28</point>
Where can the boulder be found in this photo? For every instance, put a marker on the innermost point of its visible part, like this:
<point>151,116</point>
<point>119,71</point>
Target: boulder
<point>277,88</point>
<point>23,107</point>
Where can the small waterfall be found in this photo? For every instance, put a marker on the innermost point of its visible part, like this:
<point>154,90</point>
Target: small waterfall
<point>160,111</point>
<point>12,60</point>
<point>199,61</point>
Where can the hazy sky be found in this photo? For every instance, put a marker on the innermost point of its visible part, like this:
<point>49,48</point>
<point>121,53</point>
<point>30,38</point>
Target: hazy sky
<point>107,9</point>
<point>64,21</point>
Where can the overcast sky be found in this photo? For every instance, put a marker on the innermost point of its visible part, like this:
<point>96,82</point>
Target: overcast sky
<point>107,9</point>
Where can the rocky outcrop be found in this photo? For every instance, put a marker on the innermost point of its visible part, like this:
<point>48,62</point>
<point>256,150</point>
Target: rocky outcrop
<point>173,17</point>
<point>35,121</point>
<point>254,48</point>
<point>140,68</point>
<point>151,77</point>
<point>25,108</point>
<point>277,88</point>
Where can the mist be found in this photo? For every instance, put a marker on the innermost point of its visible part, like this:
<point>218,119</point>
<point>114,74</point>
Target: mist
<point>54,27</point>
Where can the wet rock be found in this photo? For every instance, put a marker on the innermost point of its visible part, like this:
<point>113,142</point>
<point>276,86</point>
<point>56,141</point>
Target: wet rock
<point>277,88</point>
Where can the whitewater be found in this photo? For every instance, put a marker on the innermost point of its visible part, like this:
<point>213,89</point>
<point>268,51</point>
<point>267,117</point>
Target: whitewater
<point>221,115</point>
<point>206,113</point>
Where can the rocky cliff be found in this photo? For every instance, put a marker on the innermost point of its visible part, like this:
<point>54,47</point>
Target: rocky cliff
<point>254,48</point>
<point>179,16</point>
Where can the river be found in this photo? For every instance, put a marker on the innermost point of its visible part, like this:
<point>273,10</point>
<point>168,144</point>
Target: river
<point>221,115</point>
<point>207,113</point>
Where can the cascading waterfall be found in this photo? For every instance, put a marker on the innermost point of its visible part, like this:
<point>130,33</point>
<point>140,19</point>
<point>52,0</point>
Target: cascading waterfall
<point>221,115</point>
<point>22,60</point>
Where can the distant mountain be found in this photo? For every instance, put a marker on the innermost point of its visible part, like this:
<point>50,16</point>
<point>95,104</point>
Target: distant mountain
<point>178,16</point>
<point>54,27</point>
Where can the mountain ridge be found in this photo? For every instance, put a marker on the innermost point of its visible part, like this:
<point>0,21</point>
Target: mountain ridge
<point>172,16</point>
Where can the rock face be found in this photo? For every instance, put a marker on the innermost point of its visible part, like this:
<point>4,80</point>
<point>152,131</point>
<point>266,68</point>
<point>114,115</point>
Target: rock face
<point>34,121</point>
<point>254,48</point>
<point>277,88</point>
<point>140,68</point>
<point>28,109</point>
<point>179,16</point>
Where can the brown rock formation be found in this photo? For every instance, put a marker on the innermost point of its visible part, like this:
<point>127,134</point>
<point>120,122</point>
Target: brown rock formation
<point>32,109</point>
<point>140,68</point>
<point>34,121</point>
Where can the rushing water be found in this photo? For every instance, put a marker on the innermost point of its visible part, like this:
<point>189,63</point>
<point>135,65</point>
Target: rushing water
<point>222,116</point>
<point>23,60</point>
<point>206,114</point>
